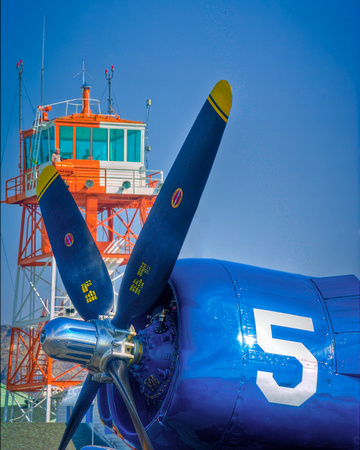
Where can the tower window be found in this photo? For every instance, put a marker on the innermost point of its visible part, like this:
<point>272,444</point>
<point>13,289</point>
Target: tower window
<point>66,142</point>
<point>100,144</point>
<point>116,145</point>
<point>83,142</point>
<point>133,145</point>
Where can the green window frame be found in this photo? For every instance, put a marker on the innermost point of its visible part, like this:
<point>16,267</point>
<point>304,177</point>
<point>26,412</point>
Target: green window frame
<point>27,152</point>
<point>52,140</point>
<point>35,149</point>
<point>44,153</point>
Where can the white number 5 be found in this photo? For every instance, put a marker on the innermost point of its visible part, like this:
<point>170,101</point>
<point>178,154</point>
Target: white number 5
<point>307,387</point>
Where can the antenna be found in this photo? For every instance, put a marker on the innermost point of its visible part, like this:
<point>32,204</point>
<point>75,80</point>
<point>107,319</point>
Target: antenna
<point>108,77</point>
<point>147,146</point>
<point>82,73</point>
<point>42,65</point>
<point>19,68</point>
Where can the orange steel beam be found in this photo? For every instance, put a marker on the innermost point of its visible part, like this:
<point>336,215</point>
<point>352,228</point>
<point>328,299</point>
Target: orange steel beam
<point>35,353</point>
<point>29,358</point>
<point>91,211</point>
<point>29,248</point>
<point>110,220</point>
<point>81,369</point>
<point>26,366</point>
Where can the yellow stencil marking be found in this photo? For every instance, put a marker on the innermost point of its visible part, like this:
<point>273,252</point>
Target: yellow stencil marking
<point>138,283</point>
<point>144,268</point>
<point>137,286</point>
<point>90,296</point>
<point>85,286</point>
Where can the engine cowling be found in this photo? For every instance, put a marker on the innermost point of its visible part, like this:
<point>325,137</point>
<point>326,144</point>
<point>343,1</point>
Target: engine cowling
<point>256,364</point>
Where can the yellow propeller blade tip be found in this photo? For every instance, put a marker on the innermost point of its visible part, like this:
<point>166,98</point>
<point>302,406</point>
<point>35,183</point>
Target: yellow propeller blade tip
<point>220,99</point>
<point>46,177</point>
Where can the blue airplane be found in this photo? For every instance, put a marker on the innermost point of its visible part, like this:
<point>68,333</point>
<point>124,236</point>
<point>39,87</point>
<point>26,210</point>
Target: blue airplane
<point>202,354</point>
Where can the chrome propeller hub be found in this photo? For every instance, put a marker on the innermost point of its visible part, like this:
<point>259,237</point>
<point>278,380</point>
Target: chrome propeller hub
<point>91,344</point>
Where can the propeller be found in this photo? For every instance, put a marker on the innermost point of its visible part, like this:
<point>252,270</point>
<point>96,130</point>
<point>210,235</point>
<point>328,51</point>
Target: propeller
<point>78,259</point>
<point>110,348</point>
<point>161,238</point>
<point>83,403</point>
<point>120,374</point>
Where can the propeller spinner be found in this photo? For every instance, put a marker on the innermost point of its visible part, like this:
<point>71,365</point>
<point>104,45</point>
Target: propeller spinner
<point>108,348</point>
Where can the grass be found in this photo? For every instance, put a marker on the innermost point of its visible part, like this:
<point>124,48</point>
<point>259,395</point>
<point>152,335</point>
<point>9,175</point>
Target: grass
<point>34,436</point>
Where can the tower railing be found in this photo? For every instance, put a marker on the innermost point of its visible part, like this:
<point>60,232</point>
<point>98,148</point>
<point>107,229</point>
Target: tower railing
<point>109,180</point>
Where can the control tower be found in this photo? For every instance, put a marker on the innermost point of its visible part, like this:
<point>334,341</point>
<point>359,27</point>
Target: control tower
<point>102,161</point>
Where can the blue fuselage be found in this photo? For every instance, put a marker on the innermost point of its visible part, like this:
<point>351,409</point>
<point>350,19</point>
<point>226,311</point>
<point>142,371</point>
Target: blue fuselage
<point>265,361</point>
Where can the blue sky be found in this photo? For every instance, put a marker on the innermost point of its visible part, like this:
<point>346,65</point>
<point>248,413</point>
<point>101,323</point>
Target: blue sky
<point>284,190</point>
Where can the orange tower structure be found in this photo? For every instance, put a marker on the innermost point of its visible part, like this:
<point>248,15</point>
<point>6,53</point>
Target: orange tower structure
<point>103,163</point>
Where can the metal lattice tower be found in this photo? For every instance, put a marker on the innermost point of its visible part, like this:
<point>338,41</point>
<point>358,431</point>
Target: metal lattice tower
<point>104,168</point>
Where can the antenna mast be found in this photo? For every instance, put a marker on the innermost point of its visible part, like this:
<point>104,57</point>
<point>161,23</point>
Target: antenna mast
<point>42,65</point>
<point>83,72</point>
<point>147,146</point>
<point>19,67</point>
<point>108,77</point>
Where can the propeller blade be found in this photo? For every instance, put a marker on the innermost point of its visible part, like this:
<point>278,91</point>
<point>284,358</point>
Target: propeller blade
<point>83,403</point>
<point>120,374</point>
<point>159,243</point>
<point>79,261</point>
